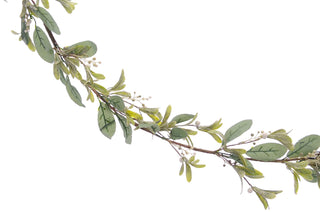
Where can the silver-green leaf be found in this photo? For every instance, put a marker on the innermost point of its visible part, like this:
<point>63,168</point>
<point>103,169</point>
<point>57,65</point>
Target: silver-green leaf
<point>305,146</point>
<point>237,130</point>
<point>151,126</point>
<point>43,45</point>
<point>120,84</point>
<point>106,122</point>
<point>117,102</point>
<point>82,49</point>
<point>282,136</point>
<point>126,128</point>
<point>74,93</point>
<point>267,152</point>
<point>182,118</point>
<point>47,19</point>
<point>178,133</point>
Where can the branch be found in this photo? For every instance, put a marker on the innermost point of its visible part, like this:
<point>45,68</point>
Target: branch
<point>52,38</point>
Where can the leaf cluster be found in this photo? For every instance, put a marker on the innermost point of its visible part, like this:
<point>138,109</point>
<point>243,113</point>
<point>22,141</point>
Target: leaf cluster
<point>186,166</point>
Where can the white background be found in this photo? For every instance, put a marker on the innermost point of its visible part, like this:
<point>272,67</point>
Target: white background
<point>223,59</point>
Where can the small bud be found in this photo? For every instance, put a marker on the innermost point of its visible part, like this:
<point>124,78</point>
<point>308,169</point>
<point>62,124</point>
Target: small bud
<point>197,124</point>
<point>264,135</point>
<point>250,190</point>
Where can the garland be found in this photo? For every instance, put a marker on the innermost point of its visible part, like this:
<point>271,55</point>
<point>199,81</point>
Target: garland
<point>72,63</point>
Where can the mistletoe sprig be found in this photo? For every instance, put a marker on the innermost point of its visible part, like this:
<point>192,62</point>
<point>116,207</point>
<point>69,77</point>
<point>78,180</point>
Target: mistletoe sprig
<point>115,104</point>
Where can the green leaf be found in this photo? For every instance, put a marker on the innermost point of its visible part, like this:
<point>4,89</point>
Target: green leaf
<point>181,169</point>
<point>217,135</point>
<point>267,152</point>
<point>198,165</point>
<point>120,84</point>
<point>213,127</point>
<point>126,128</point>
<point>122,93</point>
<point>56,72</point>
<point>254,174</point>
<point>268,194</point>
<point>152,111</point>
<point>190,132</point>
<point>68,5</point>
<point>100,88</point>
<point>151,126</point>
<point>74,71</point>
<point>166,115</point>
<point>178,133</point>
<point>97,75</point>
<point>45,3</point>
<point>282,136</point>
<point>188,173</point>
<point>47,19</point>
<point>297,165</point>
<point>31,46</point>
<point>74,93</point>
<point>237,130</point>
<point>82,49</point>
<point>24,31</point>
<point>192,120</point>
<point>194,162</point>
<point>305,173</point>
<point>315,175</point>
<point>241,174</point>
<point>182,118</point>
<point>56,69</point>
<point>106,122</point>
<point>117,102</point>
<point>134,115</point>
<point>62,77</point>
<point>305,146</point>
<point>191,159</point>
<point>43,45</point>
<point>63,68</point>
<point>88,75</point>
<point>263,200</point>
<point>73,61</point>
<point>296,182</point>
<point>90,95</point>
<point>212,130</point>
<point>238,153</point>
<point>243,161</point>
<point>25,35</point>
<point>251,172</point>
